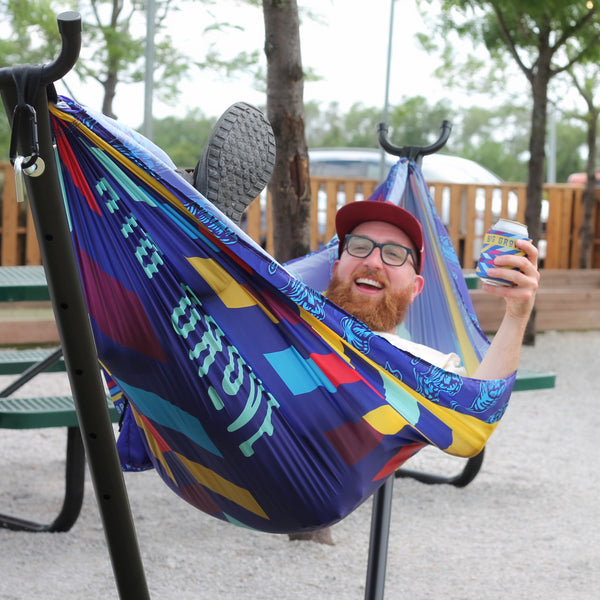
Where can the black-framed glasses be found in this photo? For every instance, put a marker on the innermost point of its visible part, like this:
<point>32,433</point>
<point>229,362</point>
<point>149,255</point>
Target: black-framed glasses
<point>394,255</point>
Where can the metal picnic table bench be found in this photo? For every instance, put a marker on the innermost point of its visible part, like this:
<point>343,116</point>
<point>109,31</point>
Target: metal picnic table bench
<point>25,284</point>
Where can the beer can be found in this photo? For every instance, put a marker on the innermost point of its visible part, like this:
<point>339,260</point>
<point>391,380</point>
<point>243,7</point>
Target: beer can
<point>500,239</point>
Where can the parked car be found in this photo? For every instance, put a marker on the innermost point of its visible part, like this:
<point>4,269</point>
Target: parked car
<point>581,178</point>
<point>365,163</point>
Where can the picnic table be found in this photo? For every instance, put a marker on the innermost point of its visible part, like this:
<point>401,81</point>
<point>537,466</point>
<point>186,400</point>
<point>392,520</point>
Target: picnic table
<point>25,284</point>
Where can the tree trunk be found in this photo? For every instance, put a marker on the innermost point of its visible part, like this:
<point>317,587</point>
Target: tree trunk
<point>588,198</point>
<point>537,161</point>
<point>110,89</point>
<point>290,185</point>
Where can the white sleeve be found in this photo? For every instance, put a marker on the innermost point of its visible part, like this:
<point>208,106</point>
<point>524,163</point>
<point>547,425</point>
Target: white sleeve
<point>448,362</point>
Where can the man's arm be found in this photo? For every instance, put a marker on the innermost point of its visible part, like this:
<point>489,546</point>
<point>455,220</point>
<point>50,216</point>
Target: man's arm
<point>502,358</point>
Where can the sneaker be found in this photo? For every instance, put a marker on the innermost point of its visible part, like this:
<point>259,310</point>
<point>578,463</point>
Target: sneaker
<point>238,160</point>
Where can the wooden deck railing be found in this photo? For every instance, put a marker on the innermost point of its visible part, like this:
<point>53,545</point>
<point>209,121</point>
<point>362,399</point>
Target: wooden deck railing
<point>466,210</point>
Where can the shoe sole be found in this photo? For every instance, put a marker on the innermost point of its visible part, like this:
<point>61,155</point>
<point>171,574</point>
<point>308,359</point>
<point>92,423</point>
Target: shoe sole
<point>238,161</point>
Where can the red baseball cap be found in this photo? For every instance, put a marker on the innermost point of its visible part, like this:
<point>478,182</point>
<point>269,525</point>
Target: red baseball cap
<point>353,214</point>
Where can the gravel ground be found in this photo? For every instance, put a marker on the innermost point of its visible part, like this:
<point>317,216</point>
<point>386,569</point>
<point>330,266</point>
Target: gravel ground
<point>525,528</point>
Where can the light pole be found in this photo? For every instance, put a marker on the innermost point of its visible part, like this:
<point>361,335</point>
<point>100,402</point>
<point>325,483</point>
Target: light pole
<point>149,73</point>
<point>386,100</point>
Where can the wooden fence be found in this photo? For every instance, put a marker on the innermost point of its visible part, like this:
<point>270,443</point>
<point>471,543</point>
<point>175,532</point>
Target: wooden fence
<point>466,210</point>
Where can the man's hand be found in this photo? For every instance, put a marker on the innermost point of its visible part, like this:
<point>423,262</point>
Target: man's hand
<point>502,357</point>
<point>520,297</point>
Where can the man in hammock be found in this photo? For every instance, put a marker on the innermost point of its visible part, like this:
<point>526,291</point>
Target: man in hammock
<point>381,253</point>
<point>378,275</point>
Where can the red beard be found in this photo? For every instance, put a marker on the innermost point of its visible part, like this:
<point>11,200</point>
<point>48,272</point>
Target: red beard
<point>382,313</point>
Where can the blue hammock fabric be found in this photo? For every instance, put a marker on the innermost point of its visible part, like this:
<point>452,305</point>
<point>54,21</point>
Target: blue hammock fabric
<point>255,398</point>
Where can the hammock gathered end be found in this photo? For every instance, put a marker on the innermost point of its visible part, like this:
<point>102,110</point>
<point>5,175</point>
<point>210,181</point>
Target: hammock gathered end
<point>255,398</point>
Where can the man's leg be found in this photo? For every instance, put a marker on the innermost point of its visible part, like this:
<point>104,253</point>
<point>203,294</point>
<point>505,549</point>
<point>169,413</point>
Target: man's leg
<point>238,160</point>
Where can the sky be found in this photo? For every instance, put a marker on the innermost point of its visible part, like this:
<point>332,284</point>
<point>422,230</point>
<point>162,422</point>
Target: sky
<point>347,47</point>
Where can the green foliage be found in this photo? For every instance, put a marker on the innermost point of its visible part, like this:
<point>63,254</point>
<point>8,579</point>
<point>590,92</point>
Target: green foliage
<point>183,139</point>
<point>571,149</point>
<point>416,123</point>
<point>32,37</point>
<point>512,32</point>
<point>113,42</point>
<point>4,137</point>
<point>496,137</point>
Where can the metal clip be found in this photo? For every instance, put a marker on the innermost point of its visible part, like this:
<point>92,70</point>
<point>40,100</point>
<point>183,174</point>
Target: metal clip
<point>37,168</point>
<point>19,178</point>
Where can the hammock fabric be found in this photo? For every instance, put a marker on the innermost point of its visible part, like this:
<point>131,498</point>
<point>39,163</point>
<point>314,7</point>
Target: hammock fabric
<point>256,399</point>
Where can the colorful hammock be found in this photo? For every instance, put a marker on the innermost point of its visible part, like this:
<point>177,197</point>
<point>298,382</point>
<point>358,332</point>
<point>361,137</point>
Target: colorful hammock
<point>256,399</point>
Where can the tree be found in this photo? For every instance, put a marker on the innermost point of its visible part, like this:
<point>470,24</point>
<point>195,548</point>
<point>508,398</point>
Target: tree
<point>110,54</point>
<point>113,43</point>
<point>183,138</point>
<point>496,137</point>
<point>543,38</point>
<point>115,54</point>
<point>585,78</point>
<point>290,184</point>
<point>30,35</point>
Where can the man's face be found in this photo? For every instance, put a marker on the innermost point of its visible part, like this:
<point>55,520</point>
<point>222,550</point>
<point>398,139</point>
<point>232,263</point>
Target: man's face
<point>376,293</point>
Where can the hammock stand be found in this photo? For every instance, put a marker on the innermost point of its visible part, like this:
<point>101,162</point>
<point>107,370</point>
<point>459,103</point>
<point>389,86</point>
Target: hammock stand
<point>24,93</point>
<point>34,143</point>
<point>382,499</point>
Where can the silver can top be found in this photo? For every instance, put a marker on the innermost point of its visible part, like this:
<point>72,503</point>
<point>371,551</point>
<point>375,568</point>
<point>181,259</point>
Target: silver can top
<point>513,227</point>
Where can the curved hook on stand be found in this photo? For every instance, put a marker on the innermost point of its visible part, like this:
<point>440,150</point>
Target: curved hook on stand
<point>23,83</point>
<point>69,27</point>
<point>414,153</point>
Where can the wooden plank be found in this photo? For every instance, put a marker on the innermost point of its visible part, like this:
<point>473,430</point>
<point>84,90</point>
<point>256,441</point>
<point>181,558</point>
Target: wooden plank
<point>10,221</point>
<point>559,309</point>
<point>331,190</point>
<point>315,185</point>
<point>350,191</point>
<point>33,255</point>
<point>576,219</point>
<point>521,192</point>
<point>253,218</point>
<point>469,259</point>
<point>369,187</point>
<point>36,331</point>
<point>489,219</point>
<point>558,228</point>
<point>570,278</point>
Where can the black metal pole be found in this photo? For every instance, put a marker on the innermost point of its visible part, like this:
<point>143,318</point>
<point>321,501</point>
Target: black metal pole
<point>378,543</point>
<point>46,201</point>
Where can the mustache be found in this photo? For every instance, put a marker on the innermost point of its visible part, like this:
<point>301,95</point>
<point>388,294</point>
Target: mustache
<point>368,273</point>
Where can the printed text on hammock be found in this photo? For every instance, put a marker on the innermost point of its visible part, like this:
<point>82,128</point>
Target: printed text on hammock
<point>189,322</point>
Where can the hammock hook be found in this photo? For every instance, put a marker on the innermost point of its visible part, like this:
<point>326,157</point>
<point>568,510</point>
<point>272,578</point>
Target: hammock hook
<point>413,153</point>
<point>26,82</point>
